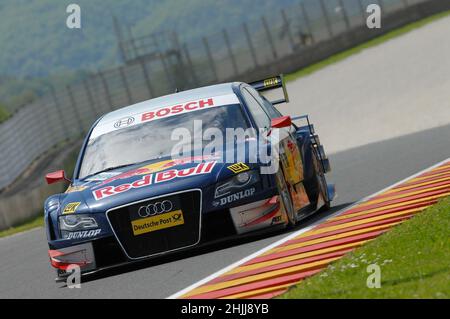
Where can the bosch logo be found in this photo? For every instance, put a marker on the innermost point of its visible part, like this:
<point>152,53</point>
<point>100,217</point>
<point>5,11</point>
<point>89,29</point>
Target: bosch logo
<point>155,208</point>
<point>124,122</point>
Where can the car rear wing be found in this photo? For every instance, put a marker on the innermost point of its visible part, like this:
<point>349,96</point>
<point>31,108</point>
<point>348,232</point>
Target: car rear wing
<point>272,84</point>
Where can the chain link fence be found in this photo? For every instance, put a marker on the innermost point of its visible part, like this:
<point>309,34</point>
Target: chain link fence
<point>285,41</point>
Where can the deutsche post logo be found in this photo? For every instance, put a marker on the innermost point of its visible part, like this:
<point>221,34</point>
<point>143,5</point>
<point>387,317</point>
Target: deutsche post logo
<point>238,168</point>
<point>177,217</point>
<point>71,208</point>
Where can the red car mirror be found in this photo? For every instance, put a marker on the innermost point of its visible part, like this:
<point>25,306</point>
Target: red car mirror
<point>55,177</point>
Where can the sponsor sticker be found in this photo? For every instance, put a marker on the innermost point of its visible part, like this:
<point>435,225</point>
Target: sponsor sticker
<point>163,112</point>
<point>83,234</point>
<point>102,176</point>
<point>155,167</point>
<point>238,168</point>
<point>124,122</point>
<point>270,82</point>
<point>234,197</point>
<point>71,208</point>
<point>154,178</point>
<point>72,189</point>
<point>161,221</point>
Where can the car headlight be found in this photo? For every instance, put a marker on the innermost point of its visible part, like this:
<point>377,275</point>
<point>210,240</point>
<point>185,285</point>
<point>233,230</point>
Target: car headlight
<point>236,182</point>
<point>76,222</point>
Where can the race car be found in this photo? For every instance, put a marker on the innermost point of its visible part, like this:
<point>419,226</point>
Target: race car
<point>151,180</point>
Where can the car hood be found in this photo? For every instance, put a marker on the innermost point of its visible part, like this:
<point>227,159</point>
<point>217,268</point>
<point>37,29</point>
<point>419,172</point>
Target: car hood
<point>151,179</point>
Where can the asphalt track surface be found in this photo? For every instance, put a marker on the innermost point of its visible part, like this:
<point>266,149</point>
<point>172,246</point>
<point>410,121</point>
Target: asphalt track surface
<point>356,127</point>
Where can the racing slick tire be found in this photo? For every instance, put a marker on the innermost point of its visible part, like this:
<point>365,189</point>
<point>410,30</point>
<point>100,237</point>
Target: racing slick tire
<point>320,180</point>
<point>285,198</point>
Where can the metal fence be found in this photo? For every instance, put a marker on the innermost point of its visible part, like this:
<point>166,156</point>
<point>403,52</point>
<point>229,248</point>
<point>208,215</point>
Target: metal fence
<point>20,208</point>
<point>284,41</point>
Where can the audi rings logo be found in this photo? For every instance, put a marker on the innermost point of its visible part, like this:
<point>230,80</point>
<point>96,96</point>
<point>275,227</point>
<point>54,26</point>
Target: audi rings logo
<point>155,208</point>
<point>124,122</point>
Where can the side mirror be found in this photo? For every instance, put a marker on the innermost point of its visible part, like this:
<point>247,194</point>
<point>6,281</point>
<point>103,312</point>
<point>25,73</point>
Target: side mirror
<point>280,122</point>
<point>55,177</point>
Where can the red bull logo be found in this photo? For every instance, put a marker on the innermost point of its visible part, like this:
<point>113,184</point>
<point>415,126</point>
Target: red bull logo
<point>154,178</point>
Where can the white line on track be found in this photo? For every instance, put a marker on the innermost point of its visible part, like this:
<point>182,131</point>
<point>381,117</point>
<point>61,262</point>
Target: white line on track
<point>295,234</point>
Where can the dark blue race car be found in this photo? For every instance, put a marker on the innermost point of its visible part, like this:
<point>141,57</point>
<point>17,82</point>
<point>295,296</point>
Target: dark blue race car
<point>181,170</point>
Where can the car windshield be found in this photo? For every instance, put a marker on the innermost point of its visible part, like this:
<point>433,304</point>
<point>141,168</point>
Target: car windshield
<point>152,140</point>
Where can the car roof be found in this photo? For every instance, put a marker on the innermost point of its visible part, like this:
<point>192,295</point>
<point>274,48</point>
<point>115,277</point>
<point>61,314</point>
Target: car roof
<point>167,100</point>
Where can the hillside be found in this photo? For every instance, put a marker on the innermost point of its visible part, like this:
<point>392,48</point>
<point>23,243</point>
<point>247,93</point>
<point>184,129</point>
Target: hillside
<point>35,40</point>
<point>38,49</point>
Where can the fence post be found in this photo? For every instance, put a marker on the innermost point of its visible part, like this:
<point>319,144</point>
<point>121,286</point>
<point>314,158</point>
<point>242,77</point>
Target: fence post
<point>119,37</point>
<point>210,58</point>
<point>250,44</point>
<point>133,44</point>
<point>307,22</point>
<point>381,4</point>
<point>90,98</point>
<point>147,78</point>
<point>327,18</point>
<point>363,12</point>
<point>75,108</point>
<point>3,211</point>
<point>48,111</point>
<point>125,84</point>
<point>190,64</point>
<point>269,38</point>
<point>106,88</point>
<point>58,109</point>
<point>162,57</point>
<point>92,81</point>
<point>344,14</point>
<point>288,29</point>
<point>230,51</point>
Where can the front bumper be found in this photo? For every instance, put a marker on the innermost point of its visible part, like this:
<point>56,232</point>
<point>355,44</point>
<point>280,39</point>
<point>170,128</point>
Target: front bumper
<point>221,224</point>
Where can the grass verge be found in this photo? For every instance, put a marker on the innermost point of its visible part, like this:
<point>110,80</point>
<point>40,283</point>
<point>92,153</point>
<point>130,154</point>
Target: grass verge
<point>4,114</point>
<point>374,42</point>
<point>30,224</point>
<point>414,260</point>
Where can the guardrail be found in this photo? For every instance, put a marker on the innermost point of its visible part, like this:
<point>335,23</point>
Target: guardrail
<point>22,207</point>
<point>291,39</point>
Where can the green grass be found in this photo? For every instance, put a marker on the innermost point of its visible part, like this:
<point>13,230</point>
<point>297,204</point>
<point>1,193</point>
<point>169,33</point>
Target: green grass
<point>4,114</point>
<point>414,259</point>
<point>374,42</point>
<point>32,223</point>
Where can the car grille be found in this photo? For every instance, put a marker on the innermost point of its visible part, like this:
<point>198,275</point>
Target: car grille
<point>158,240</point>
